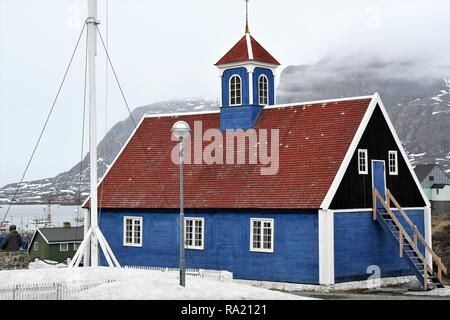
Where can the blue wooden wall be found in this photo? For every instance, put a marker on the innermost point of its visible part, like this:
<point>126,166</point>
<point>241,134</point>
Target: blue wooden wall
<point>361,242</point>
<point>227,243</point>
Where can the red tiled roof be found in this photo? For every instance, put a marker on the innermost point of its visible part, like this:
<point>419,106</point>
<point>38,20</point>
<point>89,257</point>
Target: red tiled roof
<point>240,53</point>
<point>314,139</point>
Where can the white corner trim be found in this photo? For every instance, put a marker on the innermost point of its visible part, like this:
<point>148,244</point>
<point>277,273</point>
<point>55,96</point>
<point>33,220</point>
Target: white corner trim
<point>249,46</point>
<point>250,87</point>
<point>117,157</point>
<point>326,247</point>
<point>349,155</point>
<point>428,233</point>
<point>402,150</point>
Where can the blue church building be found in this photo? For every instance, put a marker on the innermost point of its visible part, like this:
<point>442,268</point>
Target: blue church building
<point>316,219</point>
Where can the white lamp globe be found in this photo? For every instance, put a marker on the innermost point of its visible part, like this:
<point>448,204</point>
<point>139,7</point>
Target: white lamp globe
<point>181,130</point>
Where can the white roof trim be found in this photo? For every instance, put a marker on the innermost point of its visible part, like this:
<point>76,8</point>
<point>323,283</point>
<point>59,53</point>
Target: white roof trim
<point>245,63</point>
<point>180,114</point>
<point>296,104</point>
<point>318,102</point>
<point>249,46</point>
<point>34,235</point>
<point>116,158</point>
<point>376,100</point>
<point>402,151</point>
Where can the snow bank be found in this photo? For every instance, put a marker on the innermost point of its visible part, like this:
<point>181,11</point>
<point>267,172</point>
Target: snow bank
<point>439,292</point>
<point>133,284</point>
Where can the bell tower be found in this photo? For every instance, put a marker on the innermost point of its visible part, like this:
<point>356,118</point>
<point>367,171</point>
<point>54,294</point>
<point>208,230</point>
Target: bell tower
<point>247,74</point>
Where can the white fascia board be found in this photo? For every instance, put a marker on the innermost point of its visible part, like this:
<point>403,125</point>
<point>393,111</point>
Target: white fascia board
<point>376,101</point>
<point>37,230</point>
<point>117,157</point>
<point>249,65</point>
<point>402,150</point>
<point>249,46</point>
<point>305,103</point>
<point>349,155</point>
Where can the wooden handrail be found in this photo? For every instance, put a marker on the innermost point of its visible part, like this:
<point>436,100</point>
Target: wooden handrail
<point>404,234</point>
<point>417,234</point>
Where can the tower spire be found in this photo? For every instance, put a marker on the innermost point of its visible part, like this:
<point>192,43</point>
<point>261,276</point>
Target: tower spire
<point>247,28</point>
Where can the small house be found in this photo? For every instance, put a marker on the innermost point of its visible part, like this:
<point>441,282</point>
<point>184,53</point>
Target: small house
<point>55,244</point>
<point>436,185</point>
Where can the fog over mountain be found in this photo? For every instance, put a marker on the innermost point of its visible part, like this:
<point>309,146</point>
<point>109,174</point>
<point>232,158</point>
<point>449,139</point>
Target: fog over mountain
<point>416,93</point>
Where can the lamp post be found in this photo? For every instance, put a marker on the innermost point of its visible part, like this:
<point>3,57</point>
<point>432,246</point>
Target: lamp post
<point>181,130</point>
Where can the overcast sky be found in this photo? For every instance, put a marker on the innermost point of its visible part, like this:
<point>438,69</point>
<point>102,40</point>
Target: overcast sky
<point>165,49</point>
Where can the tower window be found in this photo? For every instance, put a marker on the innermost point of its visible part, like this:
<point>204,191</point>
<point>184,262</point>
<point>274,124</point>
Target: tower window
<point>235,91</point>
<point>263,85</point>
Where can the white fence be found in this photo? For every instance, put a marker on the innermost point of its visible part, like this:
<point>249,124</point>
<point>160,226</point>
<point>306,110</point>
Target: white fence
<point>214,275</point>
<point>47,291</point>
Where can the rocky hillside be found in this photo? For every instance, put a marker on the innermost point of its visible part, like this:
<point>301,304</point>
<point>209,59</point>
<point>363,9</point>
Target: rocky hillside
<point>66,187</point>
<point>416,94</point>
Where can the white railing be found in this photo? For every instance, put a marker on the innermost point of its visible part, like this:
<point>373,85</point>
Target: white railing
<point>213,275</point>
<point>47,291</point>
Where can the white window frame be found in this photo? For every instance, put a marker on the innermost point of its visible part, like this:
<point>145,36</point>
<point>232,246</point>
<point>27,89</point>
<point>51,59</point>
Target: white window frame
<point>240,91</point>
<point>193,246</point>
<point>272,240</point>
<point>36,246</point>
<point>264,93</point>
<point>366,161</point>
<point>141,223</point>
<point>76,245</point>
<point>66,244</point>
<point>393,168</point>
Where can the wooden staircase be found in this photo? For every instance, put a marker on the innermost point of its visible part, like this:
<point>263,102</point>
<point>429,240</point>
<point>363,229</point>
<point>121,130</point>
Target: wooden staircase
<point>408,248</point>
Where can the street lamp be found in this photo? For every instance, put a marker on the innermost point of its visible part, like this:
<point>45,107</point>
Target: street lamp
<point>181,130</point>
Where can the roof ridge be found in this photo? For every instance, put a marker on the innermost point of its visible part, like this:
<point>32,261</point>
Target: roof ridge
<point>294,104</point>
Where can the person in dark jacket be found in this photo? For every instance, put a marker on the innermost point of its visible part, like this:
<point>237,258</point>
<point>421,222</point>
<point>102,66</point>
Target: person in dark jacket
<point>12,240</point>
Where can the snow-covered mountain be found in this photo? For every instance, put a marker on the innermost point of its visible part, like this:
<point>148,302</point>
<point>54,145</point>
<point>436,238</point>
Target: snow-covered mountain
<point>416,94</point>
<point>66,187</point>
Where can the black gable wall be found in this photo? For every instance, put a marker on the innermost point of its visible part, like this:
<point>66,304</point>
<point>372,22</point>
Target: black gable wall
<point>355,191</point>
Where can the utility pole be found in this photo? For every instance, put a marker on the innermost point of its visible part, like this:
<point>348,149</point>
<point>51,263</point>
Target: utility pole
<point>92,52</point>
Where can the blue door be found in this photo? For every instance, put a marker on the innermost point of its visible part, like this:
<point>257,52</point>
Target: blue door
<point>379,179</point>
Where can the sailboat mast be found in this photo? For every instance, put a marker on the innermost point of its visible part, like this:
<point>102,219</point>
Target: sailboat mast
<point>92,51</point>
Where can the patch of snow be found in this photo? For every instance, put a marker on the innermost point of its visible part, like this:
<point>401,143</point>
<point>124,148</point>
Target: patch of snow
<point>437,98</point>
<point>438,292</point>
<point>418,154</point>
<point>131,284</point>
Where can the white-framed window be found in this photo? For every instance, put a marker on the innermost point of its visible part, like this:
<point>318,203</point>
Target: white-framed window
<point>393,163</point>
<point>235,91</point>
<point>263,90</point>
<point>194,233</point>
<point>76,245</point>
<point>363,161</point>
<point>261,235</point>
<point>36,246</point>
<point>132,231</point>
<point>64,246</point>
